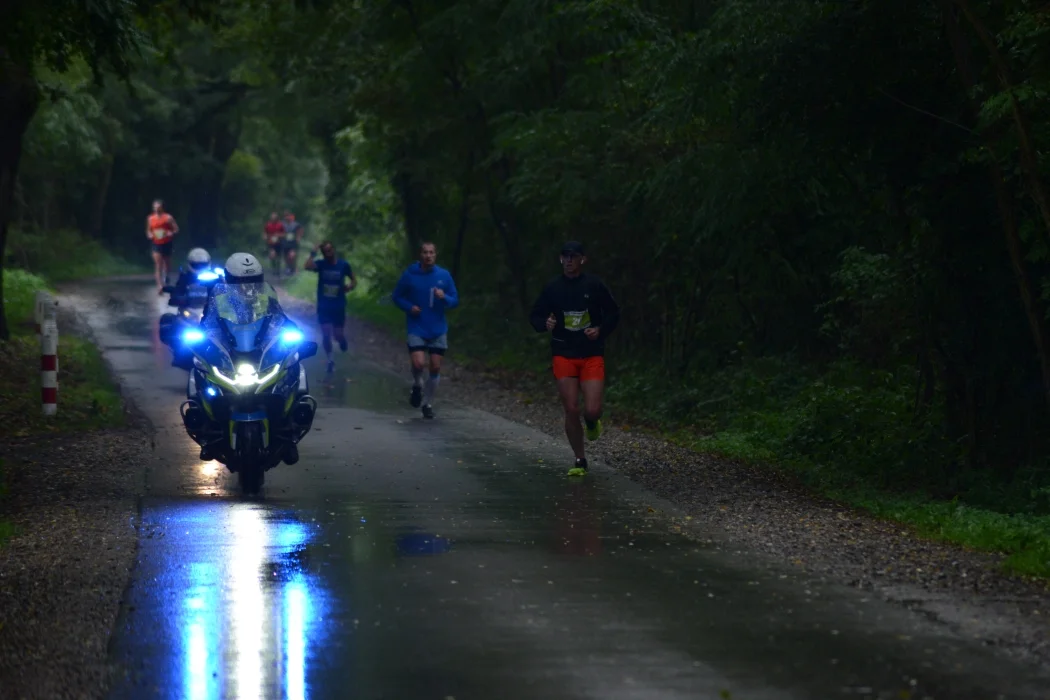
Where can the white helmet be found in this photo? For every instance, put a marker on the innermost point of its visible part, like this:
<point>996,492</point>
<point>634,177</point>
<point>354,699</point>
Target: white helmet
<point>242,268</point>
<point>198,259</point>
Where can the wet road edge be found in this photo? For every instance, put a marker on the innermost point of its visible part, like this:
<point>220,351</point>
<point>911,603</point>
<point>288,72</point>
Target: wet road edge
<point>76,500</point>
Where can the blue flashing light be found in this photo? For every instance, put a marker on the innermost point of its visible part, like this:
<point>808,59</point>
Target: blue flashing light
<point>210,391</point>
<point>207,276</point>
<point>192,336</point>
<point>291,337</point>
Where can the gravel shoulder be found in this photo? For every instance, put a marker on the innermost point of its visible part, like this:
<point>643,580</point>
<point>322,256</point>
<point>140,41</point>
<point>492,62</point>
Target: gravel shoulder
<point>765,514</point>
<point>74,501</point>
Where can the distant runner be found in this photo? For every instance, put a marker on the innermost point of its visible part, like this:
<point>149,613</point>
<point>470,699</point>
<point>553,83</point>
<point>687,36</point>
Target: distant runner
<point>273,234</point>
<point>331,295</point>
<point>424,292</point>
<point>580,313</point>
<point>161,230</point>
<point>293,233</point>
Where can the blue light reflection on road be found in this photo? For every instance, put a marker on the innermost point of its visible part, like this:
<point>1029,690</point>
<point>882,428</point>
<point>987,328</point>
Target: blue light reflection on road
<point>248,609</point>
<point>199,634</point>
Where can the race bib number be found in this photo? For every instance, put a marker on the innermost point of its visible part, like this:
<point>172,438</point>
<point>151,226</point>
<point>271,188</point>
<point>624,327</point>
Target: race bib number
<point>330,290</point>
<point>158,233</point>
<point>577,320</point>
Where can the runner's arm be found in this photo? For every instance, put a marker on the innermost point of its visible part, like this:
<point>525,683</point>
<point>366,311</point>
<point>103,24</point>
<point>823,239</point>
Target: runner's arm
<point>349,272</point>
<point>610,311</point>
<point>451,294</point>
<point>541,311</point>
<point>174,225</point>
<point>400,296</point>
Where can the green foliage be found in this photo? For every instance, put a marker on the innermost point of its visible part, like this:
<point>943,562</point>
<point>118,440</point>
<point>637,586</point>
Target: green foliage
<point>63,255</point>
<point>20,288</point>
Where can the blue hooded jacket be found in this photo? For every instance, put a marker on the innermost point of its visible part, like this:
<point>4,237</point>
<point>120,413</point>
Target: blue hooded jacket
<point>416,288</point>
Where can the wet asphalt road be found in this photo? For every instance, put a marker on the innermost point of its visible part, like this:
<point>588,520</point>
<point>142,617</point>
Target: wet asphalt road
<point>405,559</point>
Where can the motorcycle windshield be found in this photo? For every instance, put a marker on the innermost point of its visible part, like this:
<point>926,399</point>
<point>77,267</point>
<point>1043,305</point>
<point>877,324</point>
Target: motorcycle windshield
<point>245,304</point>
<point>244,334</point>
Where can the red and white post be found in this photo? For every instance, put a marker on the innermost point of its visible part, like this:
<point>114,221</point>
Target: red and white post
<point>42,300</point>
<point>49,358</point>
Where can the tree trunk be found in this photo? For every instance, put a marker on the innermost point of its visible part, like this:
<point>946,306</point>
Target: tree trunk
<point>1005,202</point>
<point>101,196</point>
<point>219,140</point>
<point>19,98</point>
<point>411,194</point>
<point>1026,146</point>
<point>515,259</point>
<point>464,215</point>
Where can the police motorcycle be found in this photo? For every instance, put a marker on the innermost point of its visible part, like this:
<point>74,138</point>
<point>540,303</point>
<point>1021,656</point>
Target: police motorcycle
<point>190,292</point>
<point>248,405</point>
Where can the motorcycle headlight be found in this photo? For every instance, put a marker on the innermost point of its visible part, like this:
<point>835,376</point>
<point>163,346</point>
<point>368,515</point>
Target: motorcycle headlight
<point>247,377</point>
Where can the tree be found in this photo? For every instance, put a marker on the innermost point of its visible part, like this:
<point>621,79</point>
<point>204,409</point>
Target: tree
<point>50,34</point>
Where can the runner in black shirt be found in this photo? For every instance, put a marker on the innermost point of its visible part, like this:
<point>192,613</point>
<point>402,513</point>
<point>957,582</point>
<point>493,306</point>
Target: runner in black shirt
<point>580,313</point>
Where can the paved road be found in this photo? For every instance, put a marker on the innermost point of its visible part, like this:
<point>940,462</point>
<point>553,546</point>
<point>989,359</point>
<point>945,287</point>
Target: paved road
<point>405,559</point>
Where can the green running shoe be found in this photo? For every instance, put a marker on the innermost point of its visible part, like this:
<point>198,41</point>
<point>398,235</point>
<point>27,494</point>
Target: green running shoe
<point>580,469</point>
<point>595,432</point>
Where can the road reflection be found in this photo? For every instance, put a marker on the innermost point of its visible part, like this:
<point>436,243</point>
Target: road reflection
<point>579,521</point>
<point>247,620</point>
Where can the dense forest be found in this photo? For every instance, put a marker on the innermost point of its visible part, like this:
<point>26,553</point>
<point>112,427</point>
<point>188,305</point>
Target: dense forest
<point>827,222</point>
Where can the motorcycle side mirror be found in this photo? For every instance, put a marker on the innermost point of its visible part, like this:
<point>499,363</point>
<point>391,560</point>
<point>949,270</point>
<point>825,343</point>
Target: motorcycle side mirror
<point>307,349</point>
<point>167,329</point>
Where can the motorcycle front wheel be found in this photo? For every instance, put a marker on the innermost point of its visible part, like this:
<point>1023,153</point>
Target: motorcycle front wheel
<point>249,452</point>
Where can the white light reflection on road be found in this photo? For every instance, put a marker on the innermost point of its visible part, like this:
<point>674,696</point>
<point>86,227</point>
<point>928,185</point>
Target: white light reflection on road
<point>246,600</point>
<point>246,613</point>
<point>296,613</point>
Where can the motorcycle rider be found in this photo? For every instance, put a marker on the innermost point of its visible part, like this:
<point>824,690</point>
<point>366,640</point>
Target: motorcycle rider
<point>198,260</point>
<point>244,294</point>
<point>245,271</point>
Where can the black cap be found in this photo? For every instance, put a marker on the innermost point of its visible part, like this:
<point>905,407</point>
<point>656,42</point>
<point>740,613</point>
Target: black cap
<point>572,248</point>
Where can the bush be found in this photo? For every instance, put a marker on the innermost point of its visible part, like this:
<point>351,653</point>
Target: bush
<point>80,256</point>
<point>20,288</point>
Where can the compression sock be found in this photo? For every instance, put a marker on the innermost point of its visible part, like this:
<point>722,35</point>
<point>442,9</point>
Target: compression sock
<point>430,388</point>
<point>327,342</point>
<point>342,344</point>
<point>417,377</point>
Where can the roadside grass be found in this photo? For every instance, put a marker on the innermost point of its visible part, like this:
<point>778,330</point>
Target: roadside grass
<point>88,398</point>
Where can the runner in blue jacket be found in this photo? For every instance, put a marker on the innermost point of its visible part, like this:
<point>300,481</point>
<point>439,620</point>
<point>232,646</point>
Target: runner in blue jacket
<point>424,292</point>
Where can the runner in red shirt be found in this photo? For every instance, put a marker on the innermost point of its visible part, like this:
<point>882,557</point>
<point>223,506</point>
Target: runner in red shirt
<point>273,233</point>
<point>161,230</point>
